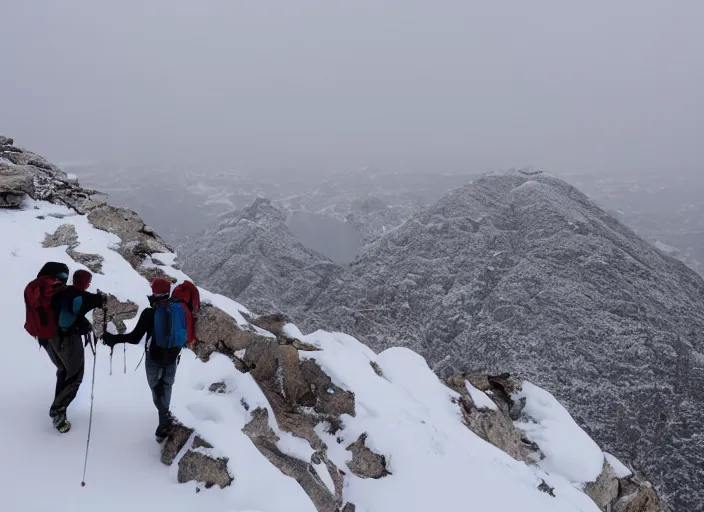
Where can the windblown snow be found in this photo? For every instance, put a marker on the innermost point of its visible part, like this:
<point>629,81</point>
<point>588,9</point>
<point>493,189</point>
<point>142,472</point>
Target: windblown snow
<point>436,462</point>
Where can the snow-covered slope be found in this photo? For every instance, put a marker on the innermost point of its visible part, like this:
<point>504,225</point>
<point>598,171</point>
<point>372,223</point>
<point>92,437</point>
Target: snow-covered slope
<point>391,436</point>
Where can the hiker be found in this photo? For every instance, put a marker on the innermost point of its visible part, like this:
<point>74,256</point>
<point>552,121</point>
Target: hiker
<point>56,317</point>
<point>168,325</point>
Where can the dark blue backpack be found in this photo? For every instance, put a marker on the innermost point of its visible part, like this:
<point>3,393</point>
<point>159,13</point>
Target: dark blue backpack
<point>170,327</point>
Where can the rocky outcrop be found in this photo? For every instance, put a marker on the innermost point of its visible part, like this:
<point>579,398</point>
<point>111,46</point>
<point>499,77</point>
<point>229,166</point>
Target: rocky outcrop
<point>24,174</point>
<point>264,438</point>
<point>118,312</point>
<point>365,463</point>
<point>66,235</point>
<point>628,494</point>
<point>301,396</point>
<point>494,425</point>
<point>642,499</point>
<point>218,331</point>
<point>196,463</point>
<point>137,241</point>
<point>605,490</point>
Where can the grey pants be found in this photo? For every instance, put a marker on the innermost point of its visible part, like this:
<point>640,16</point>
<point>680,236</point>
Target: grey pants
<point>67,355</point>
<point>161,379</point>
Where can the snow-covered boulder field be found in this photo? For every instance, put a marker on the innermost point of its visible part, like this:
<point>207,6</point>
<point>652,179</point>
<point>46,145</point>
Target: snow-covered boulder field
<point>272,419</point>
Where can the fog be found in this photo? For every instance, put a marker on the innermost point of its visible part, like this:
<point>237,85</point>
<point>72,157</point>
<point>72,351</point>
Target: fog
<point>596,86</point>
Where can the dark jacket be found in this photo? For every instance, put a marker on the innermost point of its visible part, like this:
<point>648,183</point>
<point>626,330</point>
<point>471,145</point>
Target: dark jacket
<point>144,327</point>
<point>71,306</point>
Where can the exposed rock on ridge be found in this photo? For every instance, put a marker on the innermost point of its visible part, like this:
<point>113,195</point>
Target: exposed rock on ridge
<point>24,174</point>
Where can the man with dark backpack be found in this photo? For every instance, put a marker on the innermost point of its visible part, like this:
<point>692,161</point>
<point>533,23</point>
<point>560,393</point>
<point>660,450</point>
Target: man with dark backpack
<point>56,317</point>
<point>168,325</point>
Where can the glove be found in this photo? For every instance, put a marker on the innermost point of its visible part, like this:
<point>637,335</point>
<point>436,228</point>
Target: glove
<point>110,339</point>
<point>83,326</point>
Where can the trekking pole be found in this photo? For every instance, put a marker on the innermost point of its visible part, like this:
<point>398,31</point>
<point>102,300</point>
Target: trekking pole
<point>90,417</point>
<point>140,361</point>
<point>124,355</point>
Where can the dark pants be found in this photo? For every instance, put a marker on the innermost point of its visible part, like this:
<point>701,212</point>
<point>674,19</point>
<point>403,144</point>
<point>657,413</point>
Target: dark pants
<point>67,355</point>
<point>161,379</point>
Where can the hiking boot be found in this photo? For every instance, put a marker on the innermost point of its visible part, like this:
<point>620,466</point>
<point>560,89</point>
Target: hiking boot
<point>162,432</point>
<point>61,423</point>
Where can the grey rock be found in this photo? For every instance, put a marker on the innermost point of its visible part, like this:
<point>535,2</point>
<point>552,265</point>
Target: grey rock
<point>644,500</point>
<point>331,399</point>
<point>494,426</point>
<point>604,491</point>
<point>94,262</point>
<point>272,323</point>
<point>216,330</point>
<point>365,463</point>
<point>174,443</point>
<point>219,388</point>
<point>65,234</point>
<point>6,141</point>
<point>198,467</point>
<point>135,244</point>
<point>118,312</point>
<point>15,185</point>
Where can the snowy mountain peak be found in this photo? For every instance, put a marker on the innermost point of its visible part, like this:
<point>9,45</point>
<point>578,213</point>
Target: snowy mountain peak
<point>270,419</point>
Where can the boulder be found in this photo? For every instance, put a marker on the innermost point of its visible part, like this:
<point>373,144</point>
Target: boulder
<point>218,331</point>
<point>174,443</point>
<point>118,312</point>
<point>365,463</point>
<point>331,400</point>
<point>643,500</point>
<point>135,243</point>
<point>65,234</point>
<point>494,426</point>
<point>94,262</point>
<point>604,491</point>
<point>296,389</point>
<point>15,185</point>
<point>272,323</point>
<point>201,467</point>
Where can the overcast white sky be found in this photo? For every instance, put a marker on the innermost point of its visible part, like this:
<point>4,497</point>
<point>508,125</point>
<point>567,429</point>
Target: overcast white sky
<point>563,85</point>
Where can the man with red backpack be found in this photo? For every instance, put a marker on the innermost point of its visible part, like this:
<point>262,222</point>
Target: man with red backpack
<point>56,317</point>
<point>169,324</point>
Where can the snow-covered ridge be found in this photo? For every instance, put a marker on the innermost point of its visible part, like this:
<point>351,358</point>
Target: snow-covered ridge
<point>273,419</point>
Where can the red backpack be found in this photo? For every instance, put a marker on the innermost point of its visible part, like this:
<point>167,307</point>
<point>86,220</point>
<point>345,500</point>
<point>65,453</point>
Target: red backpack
<point>41,320</point>
<point>187,293</point>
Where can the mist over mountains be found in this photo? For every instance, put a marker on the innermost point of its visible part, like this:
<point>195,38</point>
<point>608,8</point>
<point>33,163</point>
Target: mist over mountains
<point>337,213</point>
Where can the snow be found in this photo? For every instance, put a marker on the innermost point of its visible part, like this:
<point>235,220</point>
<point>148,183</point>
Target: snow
<point>568,450</point>
<point>620,469</point>
<point>409,416</point>
<point>292,332</point>
<point>480,399</point>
